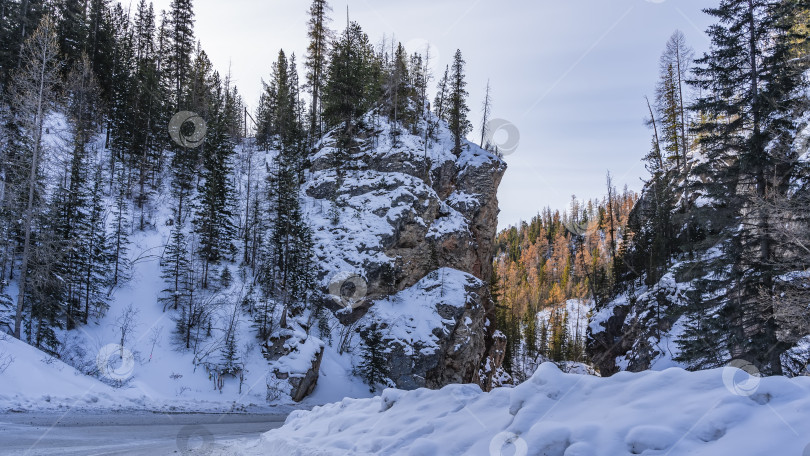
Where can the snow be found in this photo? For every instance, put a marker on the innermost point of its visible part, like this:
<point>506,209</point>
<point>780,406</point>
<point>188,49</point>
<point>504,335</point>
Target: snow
<point>304,349</point>
<point>411,316</point>
<point>34,381</point>
<point>671,412</point>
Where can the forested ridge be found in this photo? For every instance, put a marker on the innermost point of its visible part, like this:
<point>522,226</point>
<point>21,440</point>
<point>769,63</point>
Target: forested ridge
<point>709,266</point>
<point>554,258</point>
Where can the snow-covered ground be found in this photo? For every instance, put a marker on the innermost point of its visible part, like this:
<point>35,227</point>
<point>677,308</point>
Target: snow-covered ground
<point>33,381</point>
<point>671,412</point>
<point>153,373</point>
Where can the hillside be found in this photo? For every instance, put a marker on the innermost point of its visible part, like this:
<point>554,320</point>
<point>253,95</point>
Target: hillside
<point>159,238</point>
<point>390,216</point>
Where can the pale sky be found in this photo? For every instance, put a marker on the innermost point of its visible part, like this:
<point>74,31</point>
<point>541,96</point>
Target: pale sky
<point>571,75</point>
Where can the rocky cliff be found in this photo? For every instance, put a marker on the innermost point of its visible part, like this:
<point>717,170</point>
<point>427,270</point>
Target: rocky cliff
<point>403,232</point>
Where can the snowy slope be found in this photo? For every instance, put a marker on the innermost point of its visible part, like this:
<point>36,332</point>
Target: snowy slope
<point>673,412</point>
<point>155,373</point>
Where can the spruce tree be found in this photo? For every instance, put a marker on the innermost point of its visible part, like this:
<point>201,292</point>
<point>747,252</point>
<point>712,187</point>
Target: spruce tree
<point>181,26</point>
<point>751,90</point>
<point>373,366</point>
<point>457,115</point>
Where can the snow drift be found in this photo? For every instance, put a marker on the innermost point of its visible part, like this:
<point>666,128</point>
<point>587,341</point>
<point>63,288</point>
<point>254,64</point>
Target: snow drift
<point>674,412</point>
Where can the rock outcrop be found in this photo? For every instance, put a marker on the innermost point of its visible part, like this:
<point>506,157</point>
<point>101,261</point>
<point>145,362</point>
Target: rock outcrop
<point>405,228</point>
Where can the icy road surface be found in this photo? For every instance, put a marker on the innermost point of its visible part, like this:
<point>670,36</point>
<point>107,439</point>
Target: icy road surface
<point>127,433</point>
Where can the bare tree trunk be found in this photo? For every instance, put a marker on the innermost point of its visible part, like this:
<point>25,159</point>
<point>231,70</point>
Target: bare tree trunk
<point>35,85</point>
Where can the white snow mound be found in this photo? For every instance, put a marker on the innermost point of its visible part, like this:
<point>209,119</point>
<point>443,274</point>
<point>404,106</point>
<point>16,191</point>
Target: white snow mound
<point>673,412</point>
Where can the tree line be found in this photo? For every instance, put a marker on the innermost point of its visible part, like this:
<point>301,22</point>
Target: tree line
<point>556,257</point>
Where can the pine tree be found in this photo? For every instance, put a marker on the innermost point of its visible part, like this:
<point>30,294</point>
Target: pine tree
<point>350,87</point>
<point>421,77</point>
<point>214,217</point>
<point>668,100</point>
<point>289,273</point>
<point>146,107</point>
<point>181,26</point>
<point>95,266</point>
<point>230,363</point>
<point>279,122</point>
<point>121,118</point>
<point>400,91</point>
<point>101,45</point>
<point>19,21</point>
<point>373,366</point>
<point>174,265</point>
<point>316,61</point>
<point>185,161</point>
<point>440,102</point>
<point>72,32</point>
<point>72,205</point>
<point>120,234</point>
<point>458,111</point>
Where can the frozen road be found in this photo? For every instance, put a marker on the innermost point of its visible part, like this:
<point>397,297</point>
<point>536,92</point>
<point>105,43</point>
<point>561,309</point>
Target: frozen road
<point>135,433</point>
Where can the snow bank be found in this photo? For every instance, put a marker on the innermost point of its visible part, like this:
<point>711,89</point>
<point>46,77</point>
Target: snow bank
<point>30,379</point>
<point>674,412</point>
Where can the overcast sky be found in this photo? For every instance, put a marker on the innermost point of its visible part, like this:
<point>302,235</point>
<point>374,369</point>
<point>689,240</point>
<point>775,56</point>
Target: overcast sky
<point>571,75</point>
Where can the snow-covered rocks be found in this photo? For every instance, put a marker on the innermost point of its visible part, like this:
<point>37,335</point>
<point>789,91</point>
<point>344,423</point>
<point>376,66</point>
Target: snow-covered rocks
<point>432,329</point>
<point>415,223</point>
<point>672,412</point>
<point>298,361</point>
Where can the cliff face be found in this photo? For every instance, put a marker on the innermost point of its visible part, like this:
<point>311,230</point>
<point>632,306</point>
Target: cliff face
<point>403,233</point>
